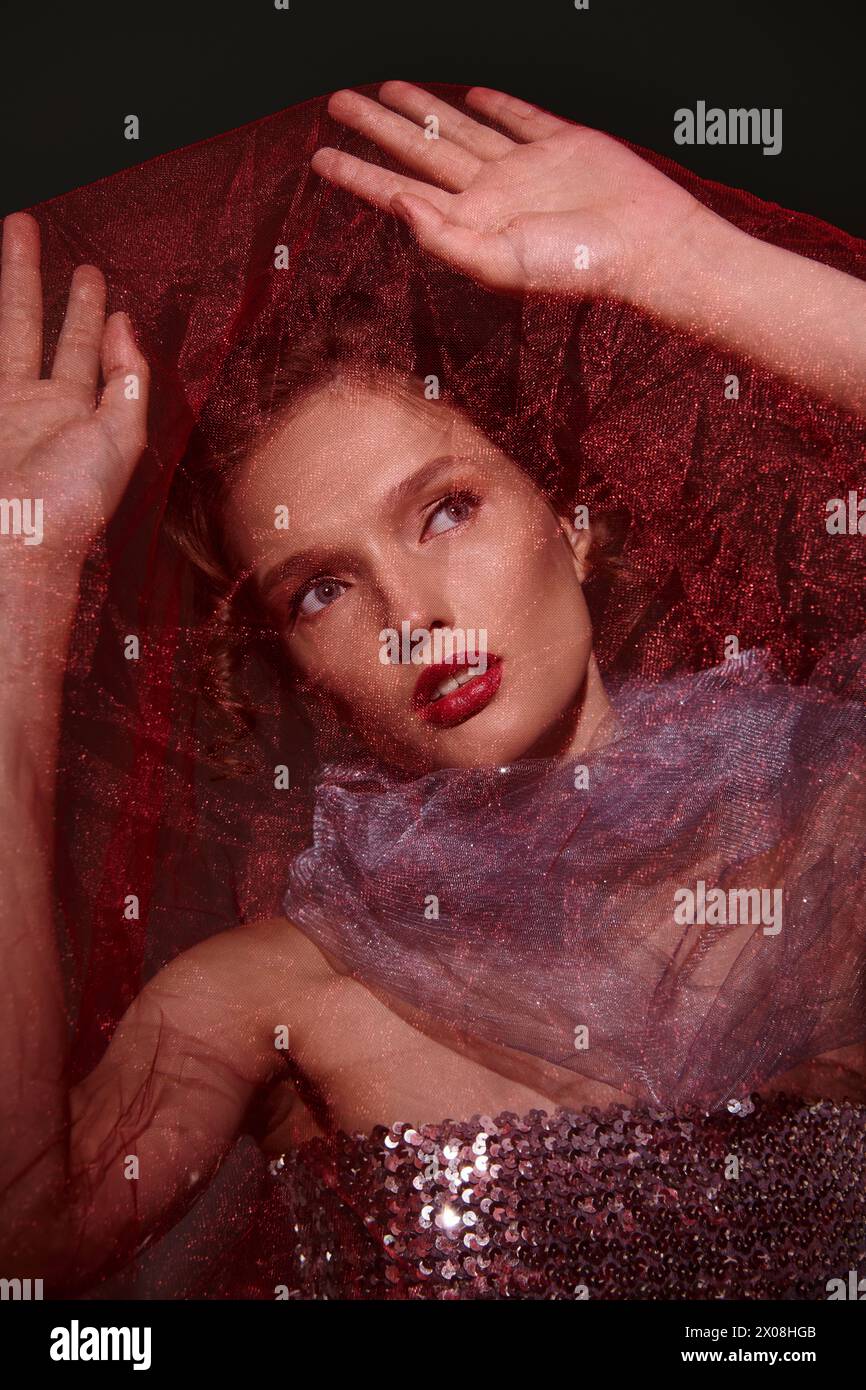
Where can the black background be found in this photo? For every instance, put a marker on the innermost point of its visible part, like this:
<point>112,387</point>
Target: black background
<point>72,71</point>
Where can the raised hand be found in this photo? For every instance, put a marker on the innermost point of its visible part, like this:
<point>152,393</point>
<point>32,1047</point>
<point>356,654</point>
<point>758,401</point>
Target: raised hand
<point>57,443</point>
<point>550,206</point>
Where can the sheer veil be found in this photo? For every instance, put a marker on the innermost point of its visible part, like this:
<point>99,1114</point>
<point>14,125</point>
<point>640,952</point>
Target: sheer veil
<point>224,254</point>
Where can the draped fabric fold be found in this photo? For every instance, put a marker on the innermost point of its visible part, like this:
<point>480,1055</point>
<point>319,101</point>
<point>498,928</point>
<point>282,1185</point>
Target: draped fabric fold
<point>674,913</point>
<point>744,776</point>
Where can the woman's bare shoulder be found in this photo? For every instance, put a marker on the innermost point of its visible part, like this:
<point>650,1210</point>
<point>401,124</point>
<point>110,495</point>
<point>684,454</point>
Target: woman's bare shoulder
<point>269,963</point>
<point>267,939</point>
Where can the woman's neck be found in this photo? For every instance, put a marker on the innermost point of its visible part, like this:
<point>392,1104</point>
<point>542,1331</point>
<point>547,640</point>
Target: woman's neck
<point>586,725</point>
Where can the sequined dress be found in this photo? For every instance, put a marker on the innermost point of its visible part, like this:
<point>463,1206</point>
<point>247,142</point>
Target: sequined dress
<point>552,911</point>
<point>764,1201</point>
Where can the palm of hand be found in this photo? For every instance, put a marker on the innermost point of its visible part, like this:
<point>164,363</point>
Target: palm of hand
<point>67,450</point>
<point>561,208</point>
<point>56,448</point>
<point>570,212</point>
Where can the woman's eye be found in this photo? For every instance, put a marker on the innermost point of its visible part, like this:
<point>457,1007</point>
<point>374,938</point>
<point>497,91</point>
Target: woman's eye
<point>318,595</point>
<point>450,512</point>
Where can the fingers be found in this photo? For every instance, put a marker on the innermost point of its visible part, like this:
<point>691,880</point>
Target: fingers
<point>20,298</point>
<point>480,140</point>
<point>525,122</point>
<point>370,181</point>
<point>76,360</point>
<point>123,406</point>
<point>483,255</point>
<point>440,160</point>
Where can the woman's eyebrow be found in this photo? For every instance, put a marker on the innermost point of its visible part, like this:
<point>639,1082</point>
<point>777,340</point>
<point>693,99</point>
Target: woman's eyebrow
<point>334,557</point>
<point>421,477</point>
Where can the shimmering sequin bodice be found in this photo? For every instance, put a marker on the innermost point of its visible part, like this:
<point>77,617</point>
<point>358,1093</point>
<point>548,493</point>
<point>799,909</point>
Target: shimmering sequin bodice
<point>769,1202</point>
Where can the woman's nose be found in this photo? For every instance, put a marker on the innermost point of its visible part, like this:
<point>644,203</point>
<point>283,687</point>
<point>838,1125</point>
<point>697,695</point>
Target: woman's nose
<point>420,604</point>
<point>409,634</point>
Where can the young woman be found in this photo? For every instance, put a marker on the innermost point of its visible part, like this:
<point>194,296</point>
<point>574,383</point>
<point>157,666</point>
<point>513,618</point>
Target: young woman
<point>504,907</point>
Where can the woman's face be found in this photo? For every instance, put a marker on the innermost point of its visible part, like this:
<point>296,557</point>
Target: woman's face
<point>362,512</point>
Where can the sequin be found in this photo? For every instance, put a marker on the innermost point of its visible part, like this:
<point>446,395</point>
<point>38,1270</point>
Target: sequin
<point>626,1203</point>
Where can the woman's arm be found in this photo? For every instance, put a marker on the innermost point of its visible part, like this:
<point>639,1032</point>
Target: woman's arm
<point>802,319</point>
<point>33,1103</point>
<point>87,1172</point>
<point>64,463</point>
<point>553,207</point>
<point>152,1122</point>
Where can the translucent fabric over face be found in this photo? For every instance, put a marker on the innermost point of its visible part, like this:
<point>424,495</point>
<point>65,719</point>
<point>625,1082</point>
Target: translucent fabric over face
<point>227,253</point>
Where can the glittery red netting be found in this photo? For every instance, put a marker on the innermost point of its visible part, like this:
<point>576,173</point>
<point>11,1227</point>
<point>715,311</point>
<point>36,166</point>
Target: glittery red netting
<point>715,502</point>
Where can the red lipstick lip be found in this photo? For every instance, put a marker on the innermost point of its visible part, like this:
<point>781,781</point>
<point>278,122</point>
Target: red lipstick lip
<point>460,704</point>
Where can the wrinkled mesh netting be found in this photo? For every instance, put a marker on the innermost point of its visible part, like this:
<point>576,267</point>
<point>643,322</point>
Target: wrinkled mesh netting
<point>718,504</point>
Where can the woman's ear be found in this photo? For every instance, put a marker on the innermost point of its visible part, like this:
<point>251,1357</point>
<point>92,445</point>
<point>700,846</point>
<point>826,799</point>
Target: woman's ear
<point>580,544</point>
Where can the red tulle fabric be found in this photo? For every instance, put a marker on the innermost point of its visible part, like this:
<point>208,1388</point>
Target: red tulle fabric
<point>716,500</point>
